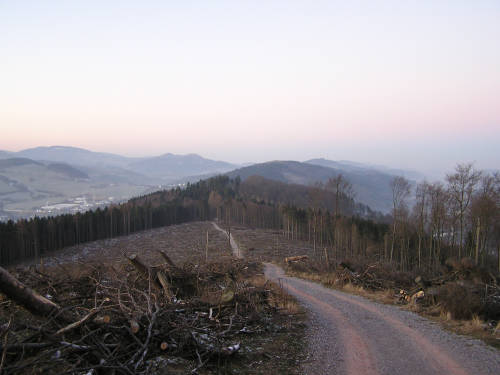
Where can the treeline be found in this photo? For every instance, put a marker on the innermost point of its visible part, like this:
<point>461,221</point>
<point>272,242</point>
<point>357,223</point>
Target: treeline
<point>226,199</point>
<point>28,239</point>
<point>458,219</point>
<point>448,221</point>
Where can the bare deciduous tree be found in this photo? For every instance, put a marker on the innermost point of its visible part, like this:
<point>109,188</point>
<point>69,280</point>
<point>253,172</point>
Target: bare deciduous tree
<point>343,190</point>
<point>400,188</point>
<point>437,200</point>
<point>420,212</point>
<point>485,211</point>
<point>461,186</point>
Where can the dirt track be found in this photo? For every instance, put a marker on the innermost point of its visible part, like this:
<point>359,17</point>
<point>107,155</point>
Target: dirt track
<point>234,246</point>
<point>352,335</point>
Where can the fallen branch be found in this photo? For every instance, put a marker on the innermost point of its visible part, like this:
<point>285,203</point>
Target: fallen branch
<point>79,322</point>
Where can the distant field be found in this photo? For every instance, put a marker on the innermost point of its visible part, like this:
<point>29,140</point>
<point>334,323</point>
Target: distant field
<point>24,189</point>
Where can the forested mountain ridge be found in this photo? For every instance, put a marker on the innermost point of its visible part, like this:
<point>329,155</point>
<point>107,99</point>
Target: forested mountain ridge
<point>166,167</point>
<point>170,166</point>
<point>440,225</point>
<point>74,155</point>
<point>219,197</point>
<point>276,192</point>
<point>29,187</point>
<point>42,177</point>
<point>370,186</point>
<point>370,183</point>
<point>350,166</point>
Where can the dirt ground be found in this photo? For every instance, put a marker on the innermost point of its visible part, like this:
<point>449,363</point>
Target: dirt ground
<point>265,245</point>
<point>183,243</point>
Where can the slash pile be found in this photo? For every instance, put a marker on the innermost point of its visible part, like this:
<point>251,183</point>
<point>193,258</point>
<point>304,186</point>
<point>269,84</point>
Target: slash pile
<point>125,319</point>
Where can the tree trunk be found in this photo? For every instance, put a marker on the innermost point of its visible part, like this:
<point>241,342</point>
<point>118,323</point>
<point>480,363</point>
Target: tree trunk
<point>478,230</point>
<point>24,296</point>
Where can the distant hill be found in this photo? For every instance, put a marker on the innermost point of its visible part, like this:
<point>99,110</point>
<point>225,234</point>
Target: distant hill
<point>117,175</point>
<point>285,171</point>
<point>58,174</point>
<point>75,156</point>
<point>16,162</point>
<point>261,188</point>
<point>5,154</point>
<point>371,186</point>
<point>26,186</point>
<point>170,166</point>
<point>13,165</point>
<point>67,170</point>
<point>163,168</point>
<point>361,167</point>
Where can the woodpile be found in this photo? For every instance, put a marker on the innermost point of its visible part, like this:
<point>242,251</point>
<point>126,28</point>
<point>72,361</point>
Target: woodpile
<point>124,321</point>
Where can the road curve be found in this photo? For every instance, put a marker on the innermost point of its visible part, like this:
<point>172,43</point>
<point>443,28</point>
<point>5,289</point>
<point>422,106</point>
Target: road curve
<point>352,335</point>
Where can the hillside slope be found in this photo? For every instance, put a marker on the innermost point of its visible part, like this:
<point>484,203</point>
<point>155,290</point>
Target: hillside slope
<point>371,186</point>
<point>170,166</point>
<point>27,186</point>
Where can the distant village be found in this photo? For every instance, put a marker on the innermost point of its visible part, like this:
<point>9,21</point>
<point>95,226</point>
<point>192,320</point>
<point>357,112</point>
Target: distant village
<point>72,205</point>
<point>78,204</point>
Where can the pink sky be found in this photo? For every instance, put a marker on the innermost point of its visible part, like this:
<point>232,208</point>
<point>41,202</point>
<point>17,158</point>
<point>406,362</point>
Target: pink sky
<point>405,84</point>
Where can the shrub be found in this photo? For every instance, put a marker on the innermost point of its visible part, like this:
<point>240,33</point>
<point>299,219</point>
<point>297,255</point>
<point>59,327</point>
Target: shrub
<point>459,301</point>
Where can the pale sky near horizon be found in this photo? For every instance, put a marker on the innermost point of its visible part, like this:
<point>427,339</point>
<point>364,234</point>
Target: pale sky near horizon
<point>411,84</point>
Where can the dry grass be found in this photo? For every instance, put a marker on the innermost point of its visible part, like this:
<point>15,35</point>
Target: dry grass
<point>474,327</point>
<point>459,301</point>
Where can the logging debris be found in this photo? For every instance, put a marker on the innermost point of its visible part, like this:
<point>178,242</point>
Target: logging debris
<point>131,318</point>
<point>295,258</point>
<point>460,288</point>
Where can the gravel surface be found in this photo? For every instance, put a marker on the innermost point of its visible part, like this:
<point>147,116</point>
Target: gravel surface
<point>349,334</point>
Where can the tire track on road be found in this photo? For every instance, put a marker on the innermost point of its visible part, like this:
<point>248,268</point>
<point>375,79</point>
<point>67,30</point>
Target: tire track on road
<point>352,335</point>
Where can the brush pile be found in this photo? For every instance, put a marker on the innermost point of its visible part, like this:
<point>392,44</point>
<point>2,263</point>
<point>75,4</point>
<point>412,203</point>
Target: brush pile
<point>131,318</point>
<point>460,288</point>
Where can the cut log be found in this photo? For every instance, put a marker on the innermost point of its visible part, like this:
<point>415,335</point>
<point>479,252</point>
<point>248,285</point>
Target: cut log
<point>134,326</point>
<point>105,319</point>
<point>24,296</point>
<point>144,270</point>
<point>296,258</point>
<point>167,259</point>
<point>164,283</point>
<point>139,264</point>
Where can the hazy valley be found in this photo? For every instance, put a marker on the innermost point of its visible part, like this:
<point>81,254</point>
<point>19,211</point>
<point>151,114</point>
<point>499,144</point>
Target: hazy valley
<point>51,180</point>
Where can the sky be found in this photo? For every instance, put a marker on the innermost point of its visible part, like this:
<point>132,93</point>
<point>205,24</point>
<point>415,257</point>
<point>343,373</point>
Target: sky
<point>410,84</point>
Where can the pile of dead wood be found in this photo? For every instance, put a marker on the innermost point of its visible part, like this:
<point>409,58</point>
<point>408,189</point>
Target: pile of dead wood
<point>462,289</point>
<point>126,319</point>
<point>459,288</point>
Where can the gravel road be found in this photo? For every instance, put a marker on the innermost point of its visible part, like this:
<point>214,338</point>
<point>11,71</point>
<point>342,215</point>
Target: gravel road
<point>351,335</point>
